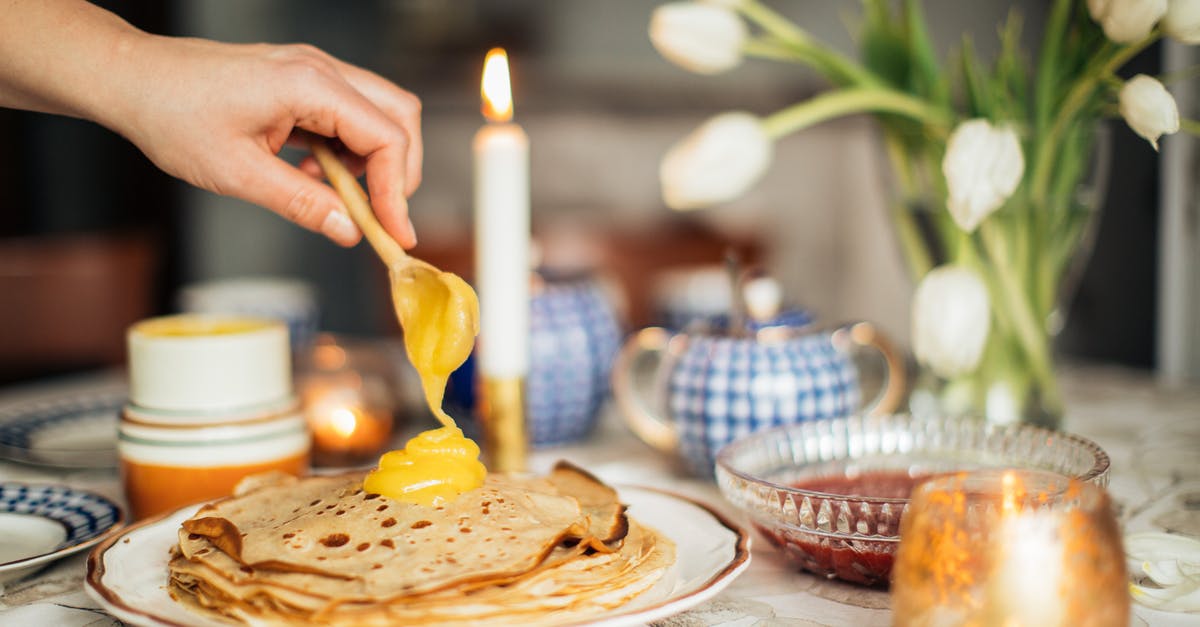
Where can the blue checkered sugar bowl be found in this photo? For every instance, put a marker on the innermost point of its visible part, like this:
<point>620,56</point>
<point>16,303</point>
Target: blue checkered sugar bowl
<point>690,393</point>
<point>574,336</point>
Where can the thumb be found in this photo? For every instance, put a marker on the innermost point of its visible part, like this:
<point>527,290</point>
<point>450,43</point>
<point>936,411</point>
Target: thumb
<point>294,195</point>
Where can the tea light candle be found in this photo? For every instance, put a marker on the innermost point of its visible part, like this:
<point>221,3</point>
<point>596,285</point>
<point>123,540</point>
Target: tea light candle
<point>349,425</point>
<point>345,431</point>
<point>1015,547</point>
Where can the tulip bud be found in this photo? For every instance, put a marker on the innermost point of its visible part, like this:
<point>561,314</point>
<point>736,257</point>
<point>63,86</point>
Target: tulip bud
<point>951,314</point>
<point>1182,20</point>
<point>1127,21</point>
<point>1148,108</point>
<point>716,163</point>
<point>983,166</point>
<point>702,38</point>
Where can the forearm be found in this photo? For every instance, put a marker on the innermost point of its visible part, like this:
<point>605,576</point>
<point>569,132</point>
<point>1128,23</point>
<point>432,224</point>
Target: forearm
<point>66,57</point>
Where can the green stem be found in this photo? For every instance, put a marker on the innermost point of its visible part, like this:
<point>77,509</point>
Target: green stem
<point>920,262</point>
<point>1076,98</point>
<point>836,67</point>
<point>1191,127</point>
<point>773,23</point>
<point>1029,332</point>
<point>771,49</point>
<point>853,100</point>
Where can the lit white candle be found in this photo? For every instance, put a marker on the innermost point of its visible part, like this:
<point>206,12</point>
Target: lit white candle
<point>501,151</point>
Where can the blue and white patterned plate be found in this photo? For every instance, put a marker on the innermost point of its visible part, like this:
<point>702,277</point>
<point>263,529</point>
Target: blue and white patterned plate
<point>78,431</point>
<point>42,523</point>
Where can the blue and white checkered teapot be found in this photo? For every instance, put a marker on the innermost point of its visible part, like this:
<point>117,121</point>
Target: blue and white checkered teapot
<point>692,392</point>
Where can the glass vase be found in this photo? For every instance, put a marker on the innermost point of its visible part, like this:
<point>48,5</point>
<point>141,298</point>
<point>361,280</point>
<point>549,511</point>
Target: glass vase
<point>1030,254</point>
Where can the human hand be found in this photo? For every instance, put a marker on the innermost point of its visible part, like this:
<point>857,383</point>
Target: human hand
<point>216,115</point>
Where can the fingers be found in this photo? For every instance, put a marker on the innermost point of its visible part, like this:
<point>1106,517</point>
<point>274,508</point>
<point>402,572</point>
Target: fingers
<point>297,197</point>
<point>339,110</point>
<point>398,104</point>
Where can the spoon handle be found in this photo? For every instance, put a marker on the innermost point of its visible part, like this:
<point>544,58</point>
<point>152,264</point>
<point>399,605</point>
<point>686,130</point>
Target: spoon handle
<point>359,206</point>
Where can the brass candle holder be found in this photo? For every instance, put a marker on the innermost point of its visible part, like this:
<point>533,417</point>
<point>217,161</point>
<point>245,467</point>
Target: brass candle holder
<point>502,413</point>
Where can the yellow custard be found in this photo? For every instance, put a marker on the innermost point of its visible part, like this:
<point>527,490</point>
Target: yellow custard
<point>439,313</point>
<point>435,465</point>
<point>200,326</point>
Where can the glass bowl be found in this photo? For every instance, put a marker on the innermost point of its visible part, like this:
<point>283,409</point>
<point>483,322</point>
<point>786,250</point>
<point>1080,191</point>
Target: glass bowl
<point>826,529</point>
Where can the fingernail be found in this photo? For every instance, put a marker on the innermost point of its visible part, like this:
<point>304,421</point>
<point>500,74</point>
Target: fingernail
<point>412,232</point>
<point>338,227</point>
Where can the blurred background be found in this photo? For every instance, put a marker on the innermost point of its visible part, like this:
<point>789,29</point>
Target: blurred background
<point>92,236</point>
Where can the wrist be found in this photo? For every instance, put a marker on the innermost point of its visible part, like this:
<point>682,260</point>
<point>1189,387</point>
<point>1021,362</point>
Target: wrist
<point>118,86</point>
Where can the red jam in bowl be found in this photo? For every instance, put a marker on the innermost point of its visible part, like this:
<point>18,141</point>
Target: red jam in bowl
<point>865,561</point>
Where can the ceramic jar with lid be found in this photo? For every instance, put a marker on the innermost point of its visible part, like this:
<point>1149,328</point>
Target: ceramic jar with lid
<point>210,402</point>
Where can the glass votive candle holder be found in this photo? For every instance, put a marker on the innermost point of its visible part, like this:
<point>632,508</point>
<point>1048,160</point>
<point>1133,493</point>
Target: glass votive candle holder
<point>1009,548</point>
<point>346,391</point>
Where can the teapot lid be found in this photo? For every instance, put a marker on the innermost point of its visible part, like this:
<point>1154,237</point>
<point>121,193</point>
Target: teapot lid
<point>792,318</point>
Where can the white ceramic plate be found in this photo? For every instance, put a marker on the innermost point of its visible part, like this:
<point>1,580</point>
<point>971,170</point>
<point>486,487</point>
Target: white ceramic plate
<point>77,431</point>
<point>127,573</point>
<point>42,523</point>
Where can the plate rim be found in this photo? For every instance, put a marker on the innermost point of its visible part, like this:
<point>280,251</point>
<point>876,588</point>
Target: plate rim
<point>15,412</point>
<point>100,535</point>
<point>93,578</point>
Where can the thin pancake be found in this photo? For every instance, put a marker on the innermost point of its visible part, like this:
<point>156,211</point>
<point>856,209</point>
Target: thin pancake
<point>519,550</point>
<point>329,529</point>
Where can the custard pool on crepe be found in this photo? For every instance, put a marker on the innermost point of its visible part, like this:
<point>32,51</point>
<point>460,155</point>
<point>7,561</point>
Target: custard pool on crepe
<point>432,468</point>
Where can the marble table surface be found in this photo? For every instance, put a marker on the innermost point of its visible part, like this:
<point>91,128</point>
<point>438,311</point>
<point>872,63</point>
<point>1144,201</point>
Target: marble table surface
<point>1151,432</point>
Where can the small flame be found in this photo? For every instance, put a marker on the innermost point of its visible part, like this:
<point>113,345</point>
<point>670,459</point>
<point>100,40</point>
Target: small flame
<point>1012,491</point>
<point>344,422</point>
<point>495,87</point>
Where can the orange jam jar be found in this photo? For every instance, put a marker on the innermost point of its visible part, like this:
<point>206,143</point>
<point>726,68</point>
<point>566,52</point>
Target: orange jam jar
<point>210,403</point>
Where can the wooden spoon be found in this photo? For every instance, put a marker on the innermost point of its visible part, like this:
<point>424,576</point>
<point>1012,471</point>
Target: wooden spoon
<point>437,310</point>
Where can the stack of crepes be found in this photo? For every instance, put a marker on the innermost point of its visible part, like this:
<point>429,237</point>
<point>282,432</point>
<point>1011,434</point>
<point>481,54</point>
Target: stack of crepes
<point>519,550</point>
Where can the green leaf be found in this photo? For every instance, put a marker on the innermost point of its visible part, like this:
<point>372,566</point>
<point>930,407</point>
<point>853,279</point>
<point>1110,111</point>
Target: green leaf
<point>1011,72</point>
<point>976,89</point>
<point>883,46</point>
<point>1058,36</point>
<point>925,75</point>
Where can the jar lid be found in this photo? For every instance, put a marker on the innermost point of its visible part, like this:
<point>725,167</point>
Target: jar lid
<point>199,362</point>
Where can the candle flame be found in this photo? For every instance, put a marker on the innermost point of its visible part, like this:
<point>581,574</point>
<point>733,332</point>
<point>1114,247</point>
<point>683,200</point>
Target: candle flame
<point>1012,488</point>
<point>344,422</point>
<point>495,87</point>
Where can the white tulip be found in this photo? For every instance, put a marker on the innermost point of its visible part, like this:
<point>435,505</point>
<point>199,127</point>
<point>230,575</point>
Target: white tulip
<point>1127,21</point>
<point>1148,108</point>
<point>702,38</point>
<point>716,163</point>
<point>1182,20</point>
<point>951,315</point>
<point>983,166</point>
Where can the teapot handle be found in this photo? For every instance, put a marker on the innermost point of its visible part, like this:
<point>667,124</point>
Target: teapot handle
<point>895,387</point>
<point>639,414</point>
